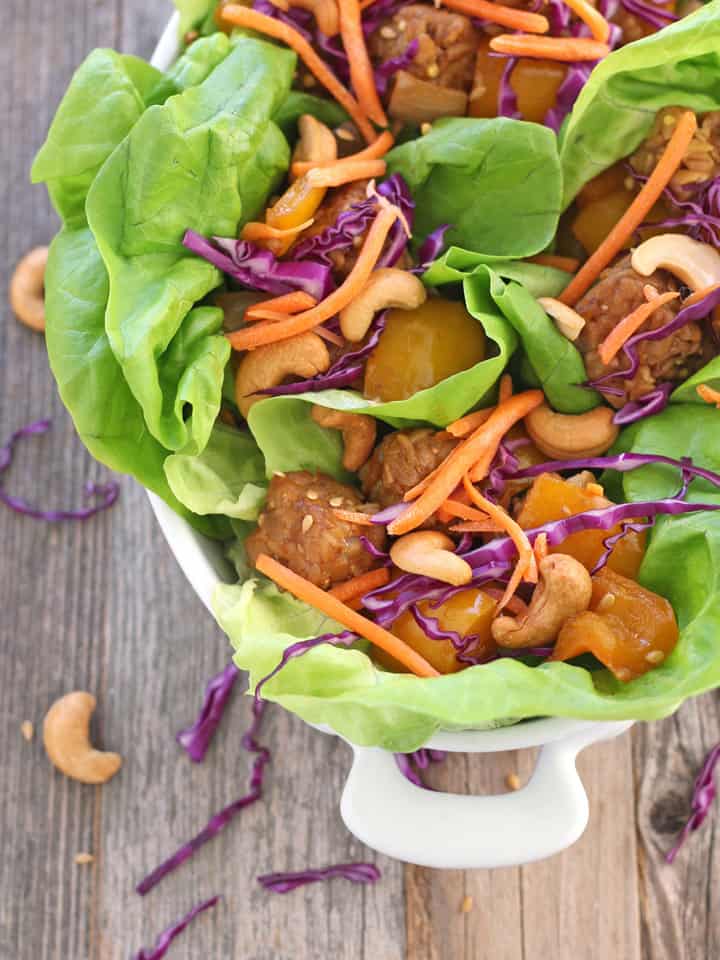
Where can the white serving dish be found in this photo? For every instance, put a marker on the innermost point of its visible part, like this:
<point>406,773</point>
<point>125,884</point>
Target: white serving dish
<point>378,804</point>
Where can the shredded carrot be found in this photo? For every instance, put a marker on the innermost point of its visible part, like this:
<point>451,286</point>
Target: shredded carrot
<point>480,445</point>
<point>497,13</point>
<point>630,324</point>
<point>540,547</point>
<point>245,17</point>
<point>257,232</point>
<point>328,335</point>
<point>340,173</point>
<point>454,507</point>
<point>475,526</point>
<point>357,586</point>
<point>700,294</point>
<point>470,422</point>
<point>287,303</point>
<point>377,149</point>
<point>354,516</point>
<point>637,211</point>
<point>708,394</point>
<point>599,27</point>
<point>565,49</point>
<point>252,337</point>
<point>515,604</point>
<point>568,264</point>
<point>350,619</point>
<point>505,390</point>
<point>362,76</point>
<point>526,567</point>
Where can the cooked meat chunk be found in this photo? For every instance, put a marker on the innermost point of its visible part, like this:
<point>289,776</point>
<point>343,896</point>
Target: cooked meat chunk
<point>616,294</point>
<point>299,528</point>
<point>447,44</point>
<point>336,202</point>
<point>401,460</point>
<point>702,158</point>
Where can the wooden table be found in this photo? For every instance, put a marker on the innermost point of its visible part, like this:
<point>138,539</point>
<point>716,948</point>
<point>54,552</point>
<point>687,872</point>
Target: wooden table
<point>102,606</point>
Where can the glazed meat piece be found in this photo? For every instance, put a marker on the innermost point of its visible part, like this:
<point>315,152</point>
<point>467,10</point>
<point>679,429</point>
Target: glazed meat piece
<point>447,44</point>
<point>336,202</point>
<point>401,460</point>
<point>702,158</point>
<point>299,528</point>
<point>616,294</point>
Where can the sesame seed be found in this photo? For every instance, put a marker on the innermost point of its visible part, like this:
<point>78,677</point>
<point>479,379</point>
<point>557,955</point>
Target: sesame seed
<point>628,183</point>
<point>669,120</point>
<point>387,33</point>
<point>623,674</point>
<point>606,602</point>
<point>566,510</point>
<point>336,502</point>
<point>309,80</point>
<point>655,656</point>
<point>433,71</point>
<point>279,473</point>
<point>513,781</point>
<point>343,134</point>
<point>27,730</point>
<point>467,904</point>
<point>261,519</point>
<point>312,494</point>
<point>595,489</point>
<point>425,128</point>
<point>308,521</point>
<point>401,25</point>
<point>83,858</point>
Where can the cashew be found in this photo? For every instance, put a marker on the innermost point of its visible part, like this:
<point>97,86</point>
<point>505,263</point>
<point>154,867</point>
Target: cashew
<point>564,590</point>
<point>387,287</point>
<point>317,143</point>
<point>27,289</point>
<point>358,433</point>
<point>325,13</point>
<point>568,321</point>
<point>303,356</point>
<point>696,264</point>
<point>66,734</point>
<point>430,554</point>
<point>563,436</point>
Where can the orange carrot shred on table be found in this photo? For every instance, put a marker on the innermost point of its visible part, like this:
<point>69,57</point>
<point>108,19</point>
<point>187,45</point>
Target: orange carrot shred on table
<point>350,619</point>
<point>480,445</point>
<point>622,331</point>
<point>362,76</point>
<point>493,12</point>
<point>286,303</point>
<point>252,337</point>
<point>239,16</point>
<point>564,49</point>
<point>354,516</point>
<point>700,294</point>
<point>708,394</point>
<point>637,212</point>
<point>599,27</point>
<point>374,151</point>
<point>340,173</point>
<point>505,390</point>
<point>468,423</point>
<point>568,264</point>
<point>362,584</point>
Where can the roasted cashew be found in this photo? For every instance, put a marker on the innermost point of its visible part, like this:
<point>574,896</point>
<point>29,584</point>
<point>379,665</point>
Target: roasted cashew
<point>358,431</point>
<point>387,287</point>
<point>696,264</point>
<point>429,553</point>
<point>317,143</point>
<point>568,321</point>
<point>564,590</point>
<point>325,13</point>
<point>66,734</point>
<point>303,356</point>
<point>27,289</point>
<point>563,436</point>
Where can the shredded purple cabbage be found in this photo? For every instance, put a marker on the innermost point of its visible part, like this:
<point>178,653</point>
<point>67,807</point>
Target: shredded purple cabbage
<point>374,15</point>
<point>218,823</point>
<point>410,764</point>
<point>345,638</point>
<point>569,90</point>
<point>507,99</point>
<point>702,800</point>
<point>648,405</point>
<point>431,248</point>
<point>384,72</point>
<point>653,14</point>
<point>106,493</point>
<point>197,738</point>
<point>167,936</point>
<point>558,13</point>
<point>701,218</point>
<point>304,22</point>
<point>286,882</point>
<point>259,269</point>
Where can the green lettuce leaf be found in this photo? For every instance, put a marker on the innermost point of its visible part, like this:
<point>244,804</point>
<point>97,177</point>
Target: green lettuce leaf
<point>297,103</point>
<point>207,161</point>
<point>498,183</point>
<point>196,15</point>
<point>193,67</point>
<point>399,712</point>
<point>678,66</point>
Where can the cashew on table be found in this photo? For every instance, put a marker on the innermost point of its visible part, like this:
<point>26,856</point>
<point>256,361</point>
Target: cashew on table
<point>66,734</point>
<point>27,289</point>
<point>358,433</point>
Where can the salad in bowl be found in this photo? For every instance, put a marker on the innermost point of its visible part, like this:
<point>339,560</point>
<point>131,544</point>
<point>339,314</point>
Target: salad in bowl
<point>413,307</point>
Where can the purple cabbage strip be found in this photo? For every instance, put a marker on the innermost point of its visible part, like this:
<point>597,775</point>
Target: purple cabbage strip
<point>410,764</point>
<point>654,15</point>
<point>106,492</point>
<point>196,739</point>
<point>375,15</point>
<point>259,269</point>
<point>558,13</point>
<point>507,99</point>
<point>431,248</point>
<point>568,92</point>
<point>286,882</point>
<point>218,823</point>
<point>384,72</point>
<point>622,463</point>
<point>297,650</point>
<point>702,209</point>
<point>702,799</point>
<point>648,405</point>
<point>609,543</point>
<point>304,22</point>
<point>166,938</point>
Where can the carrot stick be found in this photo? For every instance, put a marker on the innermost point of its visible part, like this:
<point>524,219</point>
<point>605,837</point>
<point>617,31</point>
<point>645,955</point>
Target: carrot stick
<point>455,508</point>
<point>708,394</point>
<point>475,526</point>
<point>250,338</point>
<point>629,324</point>
<point>350,619</point>
<point>505,390</point>
<point>540,547</point>
<point>377,149</point>
<point>362,77</point>
<point>484,441</point>
<point>568,264</point>
<point>497,13</point>
<point>700,294</point>
<point>565,49</point>
<point>328,335</point>
<point>637,211</point>
<point>599,27</point>
<point>252,20</point>
<point>357,586</point>
<point>287,303</point>
<point>346,172</point>
<point>468,423</point>
<point>354,516</point>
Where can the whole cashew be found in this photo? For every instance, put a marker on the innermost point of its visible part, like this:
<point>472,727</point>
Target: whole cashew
<point>358,431</point>
<point>27,289</point>
<point>304,356</point>
<point>325,13</point>
<point>564,590</point>
<point>387,287</point>
<point>696,264</point>
<point>562,436</point>
<point>316,143</point>
<point>66,734</point>
<point>568,321</point>
<point>430,554</point>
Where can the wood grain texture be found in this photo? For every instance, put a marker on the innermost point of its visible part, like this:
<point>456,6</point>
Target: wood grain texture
<point>102,606</point>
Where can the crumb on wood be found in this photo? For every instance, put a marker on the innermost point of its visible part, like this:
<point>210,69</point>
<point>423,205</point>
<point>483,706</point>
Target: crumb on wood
<point>467,904</point>
<point>83,858</point>
<point>513,781</point>
<point>27,729</point>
